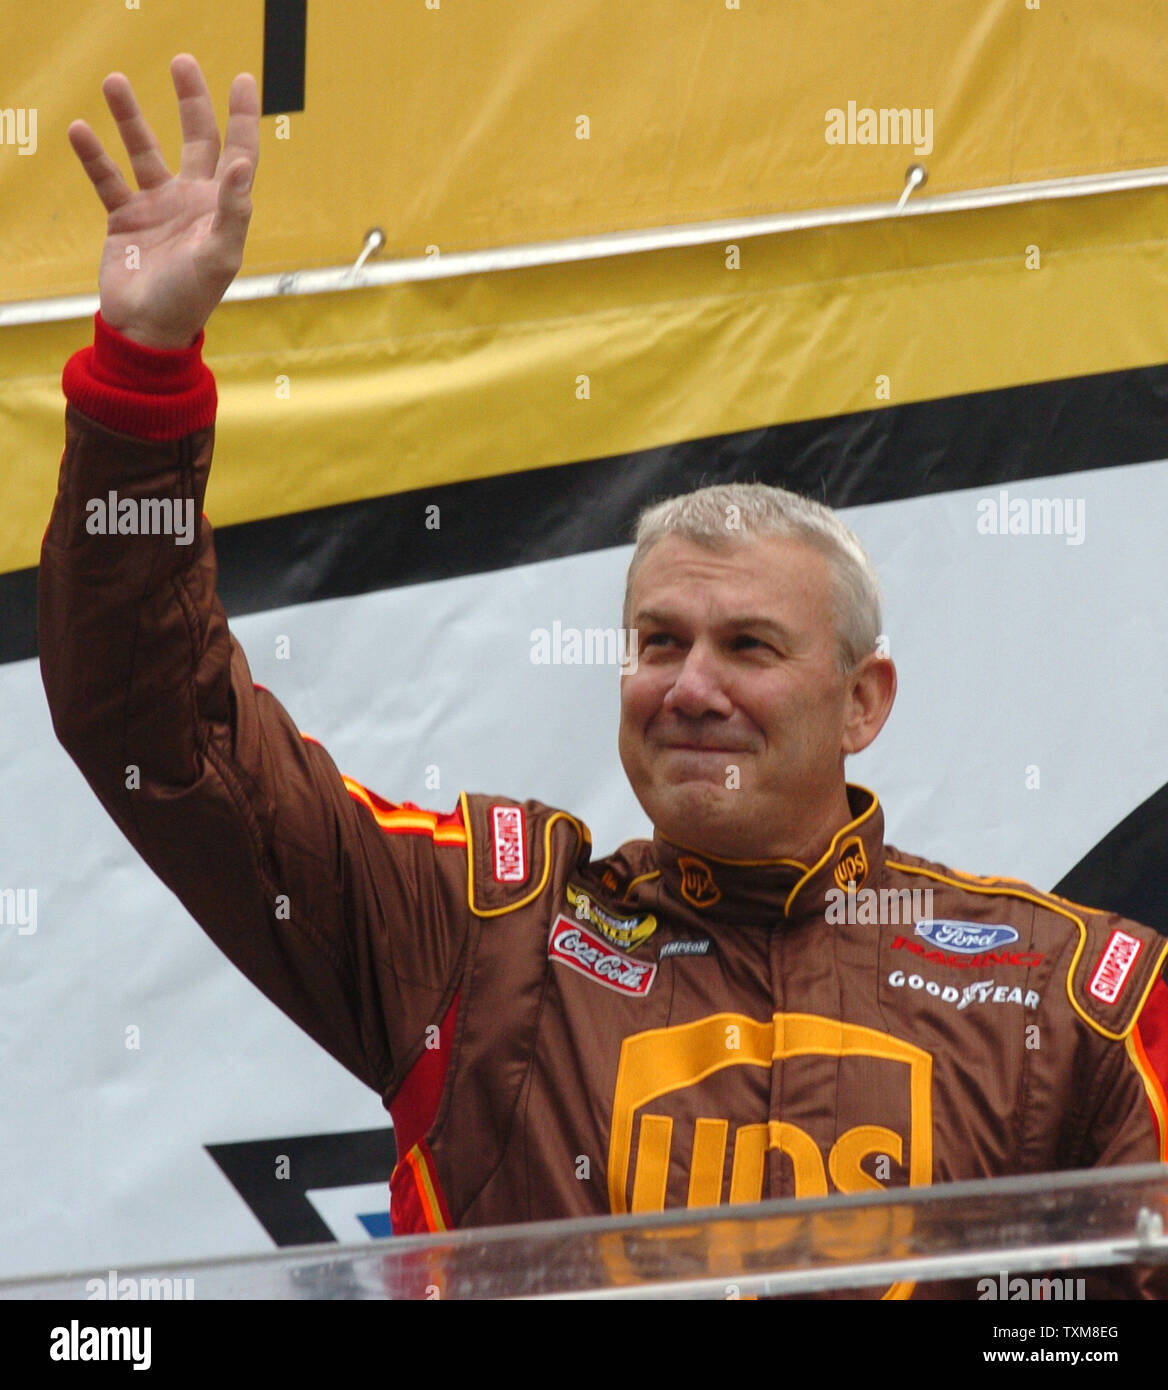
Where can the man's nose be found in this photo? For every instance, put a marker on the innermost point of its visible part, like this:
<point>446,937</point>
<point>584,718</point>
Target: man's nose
<point>698,688</point>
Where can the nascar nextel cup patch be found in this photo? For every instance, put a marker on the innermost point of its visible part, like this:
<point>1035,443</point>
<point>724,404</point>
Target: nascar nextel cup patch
<point>576,947</point>
<point>625,932</point>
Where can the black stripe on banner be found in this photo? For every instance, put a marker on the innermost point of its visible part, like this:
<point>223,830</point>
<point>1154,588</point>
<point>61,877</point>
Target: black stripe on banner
<point>982,440</point>
<point>285,45</point>
<point>280,1201</point>
<point>18,628</point>
<point>1124,873</point>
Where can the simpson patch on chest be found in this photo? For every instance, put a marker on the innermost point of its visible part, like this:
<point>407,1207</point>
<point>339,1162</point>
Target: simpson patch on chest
<point>1114,966</point>
<point>1113,970</point>
<point>508,844</point>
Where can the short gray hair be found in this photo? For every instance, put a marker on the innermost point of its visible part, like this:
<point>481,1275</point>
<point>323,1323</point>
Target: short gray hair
<point>733,512</point>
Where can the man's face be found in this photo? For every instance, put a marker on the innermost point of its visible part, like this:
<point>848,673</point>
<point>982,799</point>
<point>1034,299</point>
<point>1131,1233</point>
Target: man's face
<point>733,725</point>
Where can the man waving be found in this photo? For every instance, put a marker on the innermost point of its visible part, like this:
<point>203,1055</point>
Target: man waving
<point>763,1000</point>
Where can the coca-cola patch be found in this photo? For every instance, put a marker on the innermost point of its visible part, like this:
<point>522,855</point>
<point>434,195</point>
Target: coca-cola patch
<point>1119,955</point>
<point>575,946</point>
<point>510,844</point>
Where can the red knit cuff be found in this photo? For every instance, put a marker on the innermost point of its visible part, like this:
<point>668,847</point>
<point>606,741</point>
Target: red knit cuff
<point>152,393</point>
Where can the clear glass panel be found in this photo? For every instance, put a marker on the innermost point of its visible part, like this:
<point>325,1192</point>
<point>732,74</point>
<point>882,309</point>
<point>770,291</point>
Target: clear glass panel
<point>871,1242</point>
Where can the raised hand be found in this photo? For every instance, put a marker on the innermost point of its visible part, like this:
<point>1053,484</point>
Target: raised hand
<point>189,228</point>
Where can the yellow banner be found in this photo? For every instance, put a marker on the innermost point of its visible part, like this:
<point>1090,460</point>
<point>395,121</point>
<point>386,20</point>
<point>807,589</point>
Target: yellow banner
<point>333,398</point>
<point>460,124</point>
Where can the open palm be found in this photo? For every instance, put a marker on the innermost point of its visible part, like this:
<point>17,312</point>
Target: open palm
<point>173,247</point>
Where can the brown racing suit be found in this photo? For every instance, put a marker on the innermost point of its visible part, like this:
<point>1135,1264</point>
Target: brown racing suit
<point>556,1036</point>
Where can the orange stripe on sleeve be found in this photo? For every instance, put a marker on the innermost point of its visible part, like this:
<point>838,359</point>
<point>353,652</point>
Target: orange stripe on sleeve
<point>405,818</point>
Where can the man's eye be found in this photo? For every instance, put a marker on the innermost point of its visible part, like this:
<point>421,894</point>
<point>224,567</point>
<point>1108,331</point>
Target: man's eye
<point>657,639</point>
<point>744,642</point>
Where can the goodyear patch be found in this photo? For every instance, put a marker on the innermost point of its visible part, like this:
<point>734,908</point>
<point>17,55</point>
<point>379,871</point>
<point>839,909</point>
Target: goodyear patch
<point>625,932</point>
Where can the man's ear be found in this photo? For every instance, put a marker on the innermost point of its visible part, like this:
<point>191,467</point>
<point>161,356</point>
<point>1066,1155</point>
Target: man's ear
<point>871,691</point>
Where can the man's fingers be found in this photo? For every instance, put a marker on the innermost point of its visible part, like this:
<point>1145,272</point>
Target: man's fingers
<point>197,114</point>
<point>242,136</point>
<point>225,241</point>
<point>145,157</point>
<point>103,172</point>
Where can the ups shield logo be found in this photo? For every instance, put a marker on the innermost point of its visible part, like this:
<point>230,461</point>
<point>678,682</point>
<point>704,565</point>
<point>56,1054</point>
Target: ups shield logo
<point>665,1062</point>
<point>697,882</point>
<point>852,866</point>
<point>681,1159</point>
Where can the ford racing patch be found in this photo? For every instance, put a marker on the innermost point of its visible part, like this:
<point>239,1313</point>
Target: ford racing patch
<point>579,949</point>
<point>966,961</point>
<point>965,936</point>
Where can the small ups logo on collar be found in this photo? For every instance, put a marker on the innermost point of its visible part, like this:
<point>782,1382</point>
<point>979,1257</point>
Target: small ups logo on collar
<point>509,843</point>
<point>697,882</point>
<point>852,865</point>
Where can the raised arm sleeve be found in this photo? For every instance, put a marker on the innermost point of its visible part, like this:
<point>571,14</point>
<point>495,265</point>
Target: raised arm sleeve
<point>353,930</point>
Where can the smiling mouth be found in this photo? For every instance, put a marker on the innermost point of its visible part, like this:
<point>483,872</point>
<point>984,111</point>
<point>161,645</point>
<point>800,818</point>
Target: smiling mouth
<point>702,748</point>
